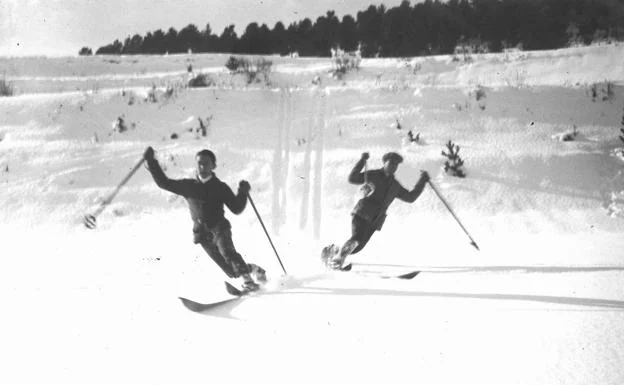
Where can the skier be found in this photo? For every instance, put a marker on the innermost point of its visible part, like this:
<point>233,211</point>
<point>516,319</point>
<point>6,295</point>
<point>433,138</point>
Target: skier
<point>206,195</point>
<point>380,189</point>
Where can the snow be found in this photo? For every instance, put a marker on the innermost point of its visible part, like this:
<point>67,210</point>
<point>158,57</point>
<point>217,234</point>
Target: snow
<point>540,303</point>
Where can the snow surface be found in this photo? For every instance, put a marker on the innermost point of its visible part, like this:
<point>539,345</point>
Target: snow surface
<point>541,303</point>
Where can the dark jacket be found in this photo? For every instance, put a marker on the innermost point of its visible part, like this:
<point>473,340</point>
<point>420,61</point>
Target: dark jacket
<point>373,207</point>
<point>205,200</point>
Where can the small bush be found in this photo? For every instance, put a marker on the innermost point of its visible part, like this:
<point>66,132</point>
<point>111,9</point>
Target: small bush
<point>567,136</point>
<point>252,71</point>
<point>454,162</point>
<point>203,127</point>
<point>345,62</point>
<point>604,92</point>
<point>413,138</point>
<point>6,87</point>
<point>237,64</point>
<point>120,125</point>
<point>480,93</point>
<point>85,51</point>
<point>151,95</point>
<point>261,67</point>
<point>201,80</point>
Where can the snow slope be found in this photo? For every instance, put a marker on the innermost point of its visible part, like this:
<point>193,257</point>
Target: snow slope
<point>540,303</point>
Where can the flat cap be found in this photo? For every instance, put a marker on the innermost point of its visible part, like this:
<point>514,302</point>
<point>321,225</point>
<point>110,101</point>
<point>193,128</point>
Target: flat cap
<point>392,156</point>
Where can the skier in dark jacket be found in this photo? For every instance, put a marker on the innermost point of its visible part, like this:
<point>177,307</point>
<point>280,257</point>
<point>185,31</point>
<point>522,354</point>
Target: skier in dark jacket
<point>380,189</point>
<point>206,195</point>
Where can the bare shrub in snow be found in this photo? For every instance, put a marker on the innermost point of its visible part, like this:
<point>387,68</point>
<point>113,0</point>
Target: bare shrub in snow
<point>237,64</point>
<point>203,126</point>
<point>567,136</point>
<point>466,48</point>
<point>155,95</point>
<point>130,96</point>
<point>6,87</point>
<point>454,163</point>
<point>262,68</point>
<point>201,80</point>
<point>151,95</point>
<point>411,66</point>
<point>622,125</point>
<point>344,62</point>
<point>259,70</point>
<point>121,126</point>
<point>604,91</point>
<point>480,93</point>
<point>397,125</point>
<point>622,132</point>
<point>412,139</point>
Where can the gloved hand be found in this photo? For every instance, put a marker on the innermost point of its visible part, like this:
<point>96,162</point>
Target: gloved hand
<point>365,156</point>
<point>148,154</point>
<point>244,187</point>
<point>424,176</point>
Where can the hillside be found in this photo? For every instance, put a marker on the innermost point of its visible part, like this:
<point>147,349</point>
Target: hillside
<point>540,303</point>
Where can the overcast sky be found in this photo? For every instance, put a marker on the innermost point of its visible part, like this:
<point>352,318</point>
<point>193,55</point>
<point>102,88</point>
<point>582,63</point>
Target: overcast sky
<point>62,27</point>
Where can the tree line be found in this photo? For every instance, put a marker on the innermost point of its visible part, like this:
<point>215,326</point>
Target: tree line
<point>426,28</point>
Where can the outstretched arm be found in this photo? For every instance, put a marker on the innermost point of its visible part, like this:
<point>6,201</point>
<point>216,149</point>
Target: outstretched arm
<point>411,196</point>
<point>357,176</point>
<point>236,203</point>
<point>171,185</point>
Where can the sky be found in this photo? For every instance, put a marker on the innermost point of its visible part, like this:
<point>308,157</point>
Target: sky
<point>62,27</point>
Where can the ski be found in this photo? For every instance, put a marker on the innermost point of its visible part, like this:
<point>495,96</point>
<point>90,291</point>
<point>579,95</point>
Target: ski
<point>409,275</point>
<point>236,293</point>
<point>203,307</point>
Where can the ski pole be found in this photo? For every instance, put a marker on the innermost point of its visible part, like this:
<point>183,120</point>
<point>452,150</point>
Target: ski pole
<point>89,219</point>
<point>472,242</point>
<point>266,232</point>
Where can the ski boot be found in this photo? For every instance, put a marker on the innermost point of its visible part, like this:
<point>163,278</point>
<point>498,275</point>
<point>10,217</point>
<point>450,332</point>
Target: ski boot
<point>257,273</point>
<point>244,273</point>
<point>248,283</point>
<point>338,259</point>
<point>328,254</point>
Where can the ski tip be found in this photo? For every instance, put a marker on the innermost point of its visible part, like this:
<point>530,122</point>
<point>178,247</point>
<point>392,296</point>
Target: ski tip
<point>409,275</point>
<point>191,305</point>
<point>205,307</point>
<point>232,289</point>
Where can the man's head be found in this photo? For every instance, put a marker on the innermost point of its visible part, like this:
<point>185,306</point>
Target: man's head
<point>206,162</point>
<point>391,162</point>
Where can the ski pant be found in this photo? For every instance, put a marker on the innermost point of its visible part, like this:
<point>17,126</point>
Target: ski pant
<point>361,231</point>
<point>217,242</point>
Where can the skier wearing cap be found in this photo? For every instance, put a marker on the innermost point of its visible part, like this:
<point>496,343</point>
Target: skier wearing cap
<point>380,189</point>
<point>206,196</point>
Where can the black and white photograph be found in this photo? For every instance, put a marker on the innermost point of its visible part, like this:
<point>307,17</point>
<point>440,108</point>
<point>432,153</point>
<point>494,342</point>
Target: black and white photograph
<point>312,192</point>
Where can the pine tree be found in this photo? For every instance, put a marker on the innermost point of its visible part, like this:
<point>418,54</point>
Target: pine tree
<point>454,162</point>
